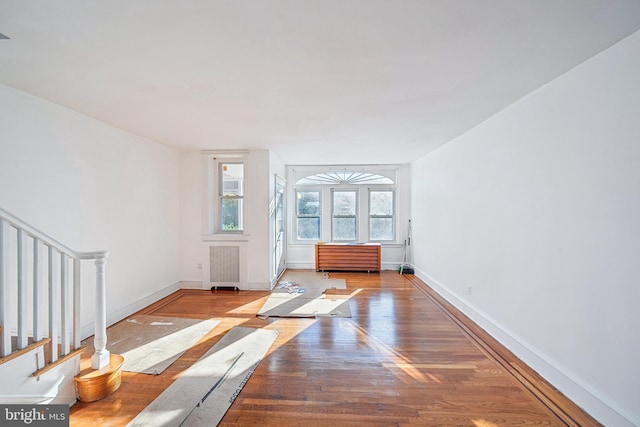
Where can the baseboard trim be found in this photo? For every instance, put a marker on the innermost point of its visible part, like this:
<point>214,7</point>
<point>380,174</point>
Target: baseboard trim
<point>258,286</point>
<point>561,393</point>
<point>119,314</point>
<point>300,265</point>
<point>191,284</point>
<point>197,284</point>
<point>390,266</point>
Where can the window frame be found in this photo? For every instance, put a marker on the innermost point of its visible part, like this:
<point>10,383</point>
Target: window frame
<point>342,177</point>
<point>212,207</point>
<point>393,217</point>
<point>222,197</point>
<point>355,216</point>
<point>297,215</point>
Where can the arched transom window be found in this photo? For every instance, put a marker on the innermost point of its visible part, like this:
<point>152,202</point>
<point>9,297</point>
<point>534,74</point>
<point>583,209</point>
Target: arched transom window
<point>342,177</point>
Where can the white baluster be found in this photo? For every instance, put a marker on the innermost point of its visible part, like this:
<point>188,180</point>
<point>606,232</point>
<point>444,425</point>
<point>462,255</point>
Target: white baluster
<point>37,291</point>
<point>100,358</point>
<point>23,286</point>
<point>65,297</point>
<point>76,303</point>
<point>62,295</point>
<point>5,333</point>
<point>54,308</point>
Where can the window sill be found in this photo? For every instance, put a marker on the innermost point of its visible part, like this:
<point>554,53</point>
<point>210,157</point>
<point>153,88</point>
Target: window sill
<point>313,243</point>
<point>226,237</point>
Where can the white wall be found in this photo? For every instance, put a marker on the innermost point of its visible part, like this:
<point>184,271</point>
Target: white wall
<point>538,210</point>
<point>192,190</point>
<point>257,219</point>
<point>93,187</point>
<point>193,178</point>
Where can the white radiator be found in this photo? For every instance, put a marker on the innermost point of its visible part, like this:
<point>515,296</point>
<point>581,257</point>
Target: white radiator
<point>224,265</point>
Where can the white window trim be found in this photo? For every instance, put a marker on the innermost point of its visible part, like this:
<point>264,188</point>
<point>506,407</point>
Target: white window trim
<point>295,211</point>
<point>211,213</point>
<point>221,197</point>
<point>398,173</point>
<point>349,189</point>
<point>393,215</point>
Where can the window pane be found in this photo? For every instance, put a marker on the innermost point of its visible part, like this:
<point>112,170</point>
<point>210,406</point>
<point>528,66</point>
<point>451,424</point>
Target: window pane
<point>381,229</point>
<point>308,203</point>
<point>344,229</point>
<point>308,228</point>
<point>232,179</point>
<point>344,203</point>
<point>344,215</point>
<point>381,203</point>
<point>231,214</point>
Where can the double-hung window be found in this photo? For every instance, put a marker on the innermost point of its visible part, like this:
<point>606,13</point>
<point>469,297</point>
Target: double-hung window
<point>308,215</point>
<point>381,215</point>
<point>344,216</point>
<point>230,196</point>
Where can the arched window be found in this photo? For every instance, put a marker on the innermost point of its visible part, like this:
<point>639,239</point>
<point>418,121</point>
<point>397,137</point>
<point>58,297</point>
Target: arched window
<point>345,204</point>
<point>341,177</point>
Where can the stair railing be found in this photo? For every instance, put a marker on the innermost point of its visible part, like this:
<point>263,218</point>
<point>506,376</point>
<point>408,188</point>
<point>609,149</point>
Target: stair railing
<point>38,274</point>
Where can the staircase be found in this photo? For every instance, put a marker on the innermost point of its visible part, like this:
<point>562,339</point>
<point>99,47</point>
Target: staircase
<point>40,288</point>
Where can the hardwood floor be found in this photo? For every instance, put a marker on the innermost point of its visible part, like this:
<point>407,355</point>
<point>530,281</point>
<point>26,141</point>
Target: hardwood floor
<point>405,358</point>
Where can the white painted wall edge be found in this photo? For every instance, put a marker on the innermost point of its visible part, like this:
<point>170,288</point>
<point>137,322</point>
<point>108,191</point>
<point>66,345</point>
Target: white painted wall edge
<point>117,315</point>
<point>588,399</point>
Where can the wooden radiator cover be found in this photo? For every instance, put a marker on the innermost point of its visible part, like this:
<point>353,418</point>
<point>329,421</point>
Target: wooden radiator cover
<point>348,257</point>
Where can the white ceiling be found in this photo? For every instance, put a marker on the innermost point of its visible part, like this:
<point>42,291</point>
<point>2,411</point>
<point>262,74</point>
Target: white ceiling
<point>316,81</point>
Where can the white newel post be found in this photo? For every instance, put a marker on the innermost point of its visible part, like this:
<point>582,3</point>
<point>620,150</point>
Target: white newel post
<point>100,358</point>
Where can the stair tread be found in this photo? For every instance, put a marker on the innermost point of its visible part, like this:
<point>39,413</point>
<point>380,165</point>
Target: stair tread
<point>27,349</point>
<point>50,365</point>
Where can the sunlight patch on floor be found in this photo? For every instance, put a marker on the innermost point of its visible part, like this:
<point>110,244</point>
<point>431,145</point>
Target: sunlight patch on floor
<point>483,423</point>
<point>397,360</point>
<point>288,329</point>
<point>250,308</point>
